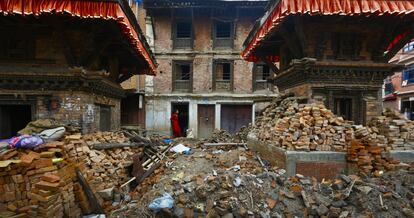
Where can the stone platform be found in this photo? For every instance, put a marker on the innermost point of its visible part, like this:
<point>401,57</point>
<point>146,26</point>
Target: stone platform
<point>319,164</point>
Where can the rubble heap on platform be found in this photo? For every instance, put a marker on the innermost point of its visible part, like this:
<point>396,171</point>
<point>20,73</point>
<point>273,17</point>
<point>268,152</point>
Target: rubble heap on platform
<point>293,126</point>
<point>288,124</point>
<point>397,131</point>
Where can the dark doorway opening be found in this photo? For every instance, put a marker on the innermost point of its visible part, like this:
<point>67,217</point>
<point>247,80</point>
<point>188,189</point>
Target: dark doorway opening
<point>14,118</point>
<point>183,115</point>
<point>343,107</point>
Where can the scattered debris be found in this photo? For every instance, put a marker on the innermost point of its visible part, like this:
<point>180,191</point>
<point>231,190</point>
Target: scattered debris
<point>223,185</point>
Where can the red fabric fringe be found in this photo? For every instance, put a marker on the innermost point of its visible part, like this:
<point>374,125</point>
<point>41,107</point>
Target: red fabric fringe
<point>326,7</point>
<point>84,9</point>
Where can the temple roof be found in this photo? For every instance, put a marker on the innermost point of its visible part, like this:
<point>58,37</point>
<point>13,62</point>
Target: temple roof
<point>281,9</point>
<point>94,9</point>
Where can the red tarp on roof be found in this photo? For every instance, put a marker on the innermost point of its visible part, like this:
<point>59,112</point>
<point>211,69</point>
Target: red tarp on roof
<point>85,9</point>
<point>285,8</point>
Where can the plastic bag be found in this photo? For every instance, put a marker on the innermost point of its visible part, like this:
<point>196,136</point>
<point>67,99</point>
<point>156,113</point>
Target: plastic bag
<point>25,141</point>
<point>180,148</point>
<point>166,201</point>
<point>50,135</point>
<point>190,134</point>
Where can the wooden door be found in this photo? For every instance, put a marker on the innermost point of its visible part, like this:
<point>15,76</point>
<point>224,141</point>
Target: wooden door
<point>105,118</point>
<point>206,115</point>
<point>233,117</point>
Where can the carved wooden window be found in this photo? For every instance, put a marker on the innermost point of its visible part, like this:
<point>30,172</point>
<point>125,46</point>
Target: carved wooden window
<point>223,75</point>
<point>261,72</point>
<point>183,34</point>
<point>182,76</point>
<point>17,45</point>
<point>223,34</point>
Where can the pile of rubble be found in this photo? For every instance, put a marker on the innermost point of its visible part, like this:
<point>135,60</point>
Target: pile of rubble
<point>309,127</point>
<point>221,135</point>
<point>38,183</point>
<point>72,176</point>
<point>288,124</point>
<point>370,157</point>
<point>235,183</point>
<point>394,129</point>
<point>104,168</point>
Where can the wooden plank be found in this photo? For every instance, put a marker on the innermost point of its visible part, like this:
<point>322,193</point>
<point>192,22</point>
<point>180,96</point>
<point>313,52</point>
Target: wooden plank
<point>96,207</point>
<point>101,146</point>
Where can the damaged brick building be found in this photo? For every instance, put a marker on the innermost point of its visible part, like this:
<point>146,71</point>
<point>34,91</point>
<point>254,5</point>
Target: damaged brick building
<point>197,45</point>
<point>65,59</point>
<point>335,52</point>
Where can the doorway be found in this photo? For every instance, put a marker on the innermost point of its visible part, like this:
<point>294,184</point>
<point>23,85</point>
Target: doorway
<point>14,118</point>
<point>183,115</point>
<point>206,116</point>
<point>104,118</point>
<point>343,107</point>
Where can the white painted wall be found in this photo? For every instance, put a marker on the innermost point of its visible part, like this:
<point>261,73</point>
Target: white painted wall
<point>158,113</point>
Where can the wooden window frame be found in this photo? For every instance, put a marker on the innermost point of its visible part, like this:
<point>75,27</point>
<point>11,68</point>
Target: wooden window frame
<point>221,61</point>
<point>255,69</point>
<point>175,63</point>
<point>218,42</point>
<point>189,42</point>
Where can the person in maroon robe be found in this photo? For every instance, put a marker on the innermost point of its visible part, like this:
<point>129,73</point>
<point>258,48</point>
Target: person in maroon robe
<point>175,122</point>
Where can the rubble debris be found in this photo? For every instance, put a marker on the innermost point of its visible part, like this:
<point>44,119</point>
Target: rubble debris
<point>291,125</point>
<point>369,157</point>
<point>103,168</point>
<point>310,127</point>
<point>40,125</point>
<point>209,187</point>
<point>221,135</point>
<point>393,130</point>
<point>38,183</point>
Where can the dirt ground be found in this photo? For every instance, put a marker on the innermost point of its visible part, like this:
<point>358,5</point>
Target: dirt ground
<point>230,181</point>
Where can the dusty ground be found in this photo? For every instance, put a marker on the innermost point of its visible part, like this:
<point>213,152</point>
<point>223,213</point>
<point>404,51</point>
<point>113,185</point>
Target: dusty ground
<point>229,181</point>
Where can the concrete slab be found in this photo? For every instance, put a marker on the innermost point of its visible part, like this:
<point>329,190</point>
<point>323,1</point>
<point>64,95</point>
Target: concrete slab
<point>403,156</point>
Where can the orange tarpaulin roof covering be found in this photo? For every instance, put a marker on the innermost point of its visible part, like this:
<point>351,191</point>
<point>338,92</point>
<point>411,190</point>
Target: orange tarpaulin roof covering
<point>285,8</point>
<point>84,9</point>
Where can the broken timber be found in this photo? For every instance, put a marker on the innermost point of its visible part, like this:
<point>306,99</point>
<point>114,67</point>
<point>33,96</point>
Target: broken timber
<point>102,146</point>
<point>224,143</point>
<point>95,206</point>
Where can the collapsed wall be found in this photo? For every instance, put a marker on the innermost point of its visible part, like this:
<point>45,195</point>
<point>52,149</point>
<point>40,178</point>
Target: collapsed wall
<point>288,124</point>
<point>38,183</point>
<point>42,182</point>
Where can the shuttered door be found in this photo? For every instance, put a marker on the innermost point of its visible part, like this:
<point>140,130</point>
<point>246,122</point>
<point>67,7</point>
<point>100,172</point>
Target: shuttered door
<point>233,117</point>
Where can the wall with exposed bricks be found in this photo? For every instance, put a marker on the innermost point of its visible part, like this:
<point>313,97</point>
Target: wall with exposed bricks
<point>79,109</point>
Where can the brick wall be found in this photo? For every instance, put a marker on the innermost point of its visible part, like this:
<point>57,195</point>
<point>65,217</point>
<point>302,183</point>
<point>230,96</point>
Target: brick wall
<point>202,55</point>
<point>79,109</point>
<point>320,170</point>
